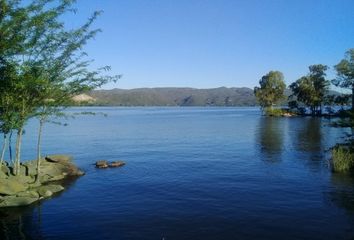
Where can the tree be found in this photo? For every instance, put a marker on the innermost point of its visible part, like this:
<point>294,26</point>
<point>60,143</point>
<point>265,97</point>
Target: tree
<point>342,100</point>
<point>48,64</point>
<point>11,39</point>
<point>271,89</point>
<point>345,73</point>
<point>312,88</point>
<point>8,113</point>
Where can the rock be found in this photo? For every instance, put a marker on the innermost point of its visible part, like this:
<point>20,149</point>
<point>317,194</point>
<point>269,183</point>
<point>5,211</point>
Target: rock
<point>57,178</point>
<point>23,170</point>
<point>4,171</point>
<point>31,167</point>
<point>43,178</point>
<point>117,164</point>
<point>21,179</point>
<point>54,188</point>
<point>45,193</point>
<point>80,173</point>
<point>16,201</point>
<point>58,158</point>
<point>11,187</point>
<point>23,189</point>
<point>48,190</point>
<point>51,171</point>
<point>30,194</point>
<point>3,175</point>
<point>102,164</point>
<point>71,170</point>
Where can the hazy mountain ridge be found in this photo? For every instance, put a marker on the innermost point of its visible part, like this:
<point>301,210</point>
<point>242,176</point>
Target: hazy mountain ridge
<point>175,97</point>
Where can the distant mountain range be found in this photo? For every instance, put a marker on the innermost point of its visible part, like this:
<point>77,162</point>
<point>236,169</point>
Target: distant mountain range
<point>172,97</point>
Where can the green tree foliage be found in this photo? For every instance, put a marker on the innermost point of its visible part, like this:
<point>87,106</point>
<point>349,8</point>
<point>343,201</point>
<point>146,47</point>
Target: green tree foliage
<point>345,73</point>
<point>343,154</point>
<point>271,89</point>
<point>312,89</point>
<point>43,64</point>
<point>342,100</point>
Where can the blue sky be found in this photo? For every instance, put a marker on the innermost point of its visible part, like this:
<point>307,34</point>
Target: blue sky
<point>213,43</point>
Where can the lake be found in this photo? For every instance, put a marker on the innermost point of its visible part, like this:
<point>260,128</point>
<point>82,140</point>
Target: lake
<point>191,173</point>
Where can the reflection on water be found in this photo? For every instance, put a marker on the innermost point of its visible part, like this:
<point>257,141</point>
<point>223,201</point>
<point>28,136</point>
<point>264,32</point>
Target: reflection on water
<point>21,223</point>
<point>341,194</point>
<point>193,173</point>
<point>342,191</point>
<point>308,139</point>
<point>24,223</point>
<point>298,138</point>
<point>309,135</point>
<point>271,137</point>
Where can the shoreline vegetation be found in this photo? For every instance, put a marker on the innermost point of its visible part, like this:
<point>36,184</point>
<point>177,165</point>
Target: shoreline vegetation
<point>310,97</point>
<point>42,66</point>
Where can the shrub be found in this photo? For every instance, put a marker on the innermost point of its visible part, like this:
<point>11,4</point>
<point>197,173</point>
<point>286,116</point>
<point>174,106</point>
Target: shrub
<point>342,159</point>
<point>274,112</point>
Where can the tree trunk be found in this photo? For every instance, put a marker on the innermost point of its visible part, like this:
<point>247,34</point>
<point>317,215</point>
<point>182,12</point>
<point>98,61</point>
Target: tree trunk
<point>353,98</point>
<point>18,151</point>
<point>3,150</point>
<point>41,122</point>
<point>10,148</point>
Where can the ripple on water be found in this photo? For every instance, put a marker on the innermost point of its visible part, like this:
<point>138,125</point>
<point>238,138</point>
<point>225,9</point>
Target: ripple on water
<point>192,173</point>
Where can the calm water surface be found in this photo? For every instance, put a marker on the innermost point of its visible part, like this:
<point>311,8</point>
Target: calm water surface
<point>191,173</point>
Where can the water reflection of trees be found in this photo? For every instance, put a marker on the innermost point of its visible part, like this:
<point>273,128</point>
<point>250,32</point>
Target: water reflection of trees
<point>270,137</point>
<point>308,140</point>
<point>342,191</point>
<point>309,135</point>
<point>341,194</point>
<point>305,134</point>
<point>21,223</point>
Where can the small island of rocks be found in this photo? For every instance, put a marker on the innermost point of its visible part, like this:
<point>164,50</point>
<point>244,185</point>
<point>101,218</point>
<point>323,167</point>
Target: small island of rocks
<point>23,189</point>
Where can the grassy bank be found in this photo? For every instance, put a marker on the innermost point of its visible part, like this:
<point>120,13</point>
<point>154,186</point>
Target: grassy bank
<point>342,158</point>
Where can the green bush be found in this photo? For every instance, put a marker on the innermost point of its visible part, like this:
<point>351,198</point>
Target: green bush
<point>274,112</point>
<point>342,159</point>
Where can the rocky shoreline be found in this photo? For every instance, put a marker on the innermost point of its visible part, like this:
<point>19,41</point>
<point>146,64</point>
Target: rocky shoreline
<point>23,190</point>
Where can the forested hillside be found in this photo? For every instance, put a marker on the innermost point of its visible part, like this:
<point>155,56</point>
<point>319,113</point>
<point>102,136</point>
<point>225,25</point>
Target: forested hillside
<point>175,97</point>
